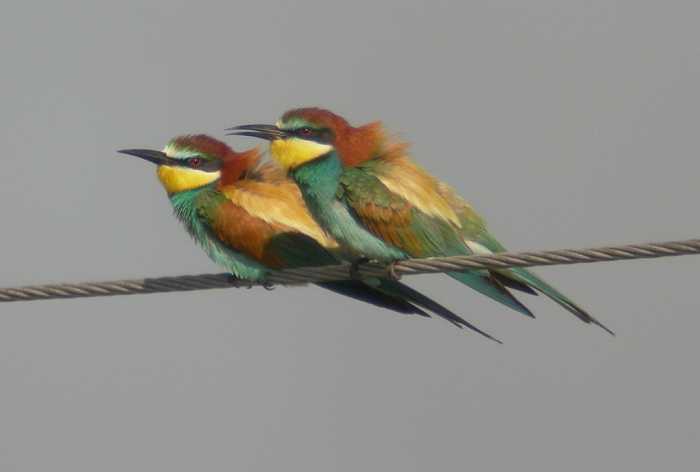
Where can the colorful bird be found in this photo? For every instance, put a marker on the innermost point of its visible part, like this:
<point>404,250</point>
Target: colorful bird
<point>365,192</point>
<point>250,219</point>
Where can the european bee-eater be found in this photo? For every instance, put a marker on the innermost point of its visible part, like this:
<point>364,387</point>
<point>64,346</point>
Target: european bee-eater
<point>250,219</point>
<point>365,191</point>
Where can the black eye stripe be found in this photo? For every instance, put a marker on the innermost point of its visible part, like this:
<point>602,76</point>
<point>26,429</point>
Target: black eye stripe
<point>204,164</point>
<point>320,135</point>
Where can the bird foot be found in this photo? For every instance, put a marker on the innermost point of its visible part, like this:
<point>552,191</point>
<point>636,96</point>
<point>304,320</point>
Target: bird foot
<point>391,270</point>
<point>268,286</point>
<point>355,268</point>
<point>235,281</point>
<point>239,283</point>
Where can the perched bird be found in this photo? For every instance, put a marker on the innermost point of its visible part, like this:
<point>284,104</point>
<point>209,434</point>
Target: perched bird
<point>250,219</point>
<point>363,189</point>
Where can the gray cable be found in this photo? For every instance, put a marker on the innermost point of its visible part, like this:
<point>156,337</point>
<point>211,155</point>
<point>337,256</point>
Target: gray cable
<point>342,272</point>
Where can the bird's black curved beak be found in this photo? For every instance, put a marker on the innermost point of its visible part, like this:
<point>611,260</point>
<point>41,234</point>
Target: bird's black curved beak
<point>269,132</point>
<point>156,157</point>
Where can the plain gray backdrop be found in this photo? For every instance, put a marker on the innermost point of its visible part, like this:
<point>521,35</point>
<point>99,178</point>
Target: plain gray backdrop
<point>565,124</point>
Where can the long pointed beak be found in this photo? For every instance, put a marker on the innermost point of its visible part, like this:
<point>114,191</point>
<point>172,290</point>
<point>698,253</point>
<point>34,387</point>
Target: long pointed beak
<point>156,157</point>
<point>269,132</point>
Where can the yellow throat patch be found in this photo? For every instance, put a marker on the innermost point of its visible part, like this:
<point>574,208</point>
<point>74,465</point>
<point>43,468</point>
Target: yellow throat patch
<point>293,152</point>
<point>182,179</point>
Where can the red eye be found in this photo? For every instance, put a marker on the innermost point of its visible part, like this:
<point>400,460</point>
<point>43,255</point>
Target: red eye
<point>305,132</point>
<point>195,162</point>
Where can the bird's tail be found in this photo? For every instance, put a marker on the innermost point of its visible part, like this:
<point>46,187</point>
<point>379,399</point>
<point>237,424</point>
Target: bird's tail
<point>358,290</point>
<point>529,278</point>
<point>487,285</point>
<point>397,289</point>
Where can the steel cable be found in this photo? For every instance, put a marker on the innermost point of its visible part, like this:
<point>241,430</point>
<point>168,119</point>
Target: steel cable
<point>344,271</point>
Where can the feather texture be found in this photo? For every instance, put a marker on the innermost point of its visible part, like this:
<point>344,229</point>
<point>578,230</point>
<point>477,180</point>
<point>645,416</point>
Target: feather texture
<point>250,218</point>
<point>398,205</point>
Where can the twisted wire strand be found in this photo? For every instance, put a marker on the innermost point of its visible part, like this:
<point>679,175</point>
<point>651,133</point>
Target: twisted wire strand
<point>344,271</point>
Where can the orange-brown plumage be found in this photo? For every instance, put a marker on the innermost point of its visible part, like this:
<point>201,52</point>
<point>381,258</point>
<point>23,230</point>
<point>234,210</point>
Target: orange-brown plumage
<point>238,165</point>
<point>407,183</point>
<point>246,233</point>
<point>396,209</point>
<point>355,145</point>
<point>250,218</point>
<point>203,144</point>
<point>258,206</point>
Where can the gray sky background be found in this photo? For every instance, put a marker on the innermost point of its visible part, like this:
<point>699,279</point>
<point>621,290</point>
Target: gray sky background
<point>564,124</point>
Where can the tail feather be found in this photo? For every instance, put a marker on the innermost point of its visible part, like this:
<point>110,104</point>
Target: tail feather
<point>360,291</point>
<point>492,288</point>
<point>299,250</point>
<point>520,278</point>
<point>525,276</point>
<point>512,283</point>
<point>405,292</point>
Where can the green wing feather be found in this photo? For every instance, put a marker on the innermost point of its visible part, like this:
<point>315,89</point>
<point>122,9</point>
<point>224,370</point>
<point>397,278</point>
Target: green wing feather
<point>398,222</point>
<point>302,251</point>
<point>295,249</point>
<point>392,218</point>
<point>525,280</point>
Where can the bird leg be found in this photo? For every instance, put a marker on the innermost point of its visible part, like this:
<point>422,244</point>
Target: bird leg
<point>355,268</point>
<point>235,281</point>
<point>238,283</point>
<point>391,270</point>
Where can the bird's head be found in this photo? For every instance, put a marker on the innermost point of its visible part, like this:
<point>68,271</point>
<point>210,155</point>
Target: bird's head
<point>195,161</point>
<point>305,134</point>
